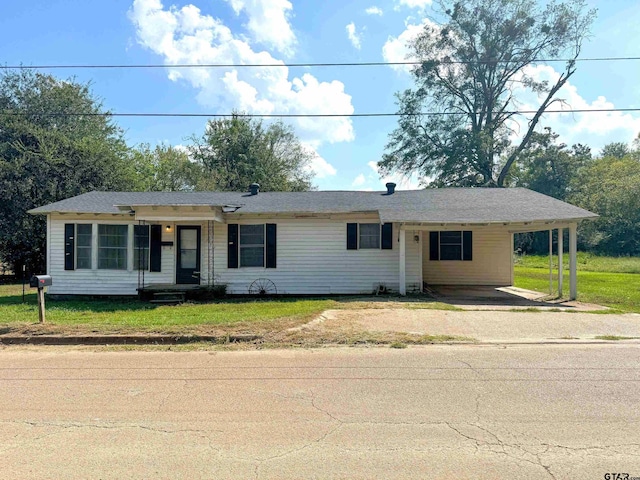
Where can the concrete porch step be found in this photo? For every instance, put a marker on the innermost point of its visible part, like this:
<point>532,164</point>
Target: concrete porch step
<point>168,297</point>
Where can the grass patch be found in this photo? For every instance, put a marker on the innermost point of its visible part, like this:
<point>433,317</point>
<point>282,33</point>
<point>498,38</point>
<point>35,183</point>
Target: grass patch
<point>354,337</point>
<point>614,337</point>
<point>587,262</point>
<point>108,315</point>
<point>377,303</point>
<point>620,291</point>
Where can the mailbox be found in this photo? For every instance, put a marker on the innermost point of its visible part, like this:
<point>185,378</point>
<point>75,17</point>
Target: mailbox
<point>40,281</point>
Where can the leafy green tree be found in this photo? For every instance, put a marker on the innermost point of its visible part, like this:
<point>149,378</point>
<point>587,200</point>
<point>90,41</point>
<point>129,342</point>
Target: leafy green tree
<point>454,126</point>
<point>54,143</point>
<point>238,151</point>
<point>609,187</point>
<point>615,150</point>
<point>164,169</point>
<point>547,166</point>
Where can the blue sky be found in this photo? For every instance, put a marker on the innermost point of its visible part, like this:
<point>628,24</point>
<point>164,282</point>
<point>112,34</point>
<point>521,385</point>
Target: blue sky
<point>290,31</point>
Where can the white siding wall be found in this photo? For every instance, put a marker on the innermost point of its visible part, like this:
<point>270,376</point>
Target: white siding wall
<point>311,259</point>
<point>491,264</point>
<point>101,282</point>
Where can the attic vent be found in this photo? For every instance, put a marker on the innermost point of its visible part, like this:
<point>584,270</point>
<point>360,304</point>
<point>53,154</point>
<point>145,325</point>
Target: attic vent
<point>391,188</point>
<point>254,188</point>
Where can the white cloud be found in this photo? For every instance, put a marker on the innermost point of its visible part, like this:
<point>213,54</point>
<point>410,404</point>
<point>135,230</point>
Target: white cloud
<point>359,181</point>
<point>420,4</point>
<point>186,36</point>
<point>353,35</point>
<point>320,167</point>
<point>268,22</point>
<point>396,49</point>
<point>594,129</point>
<point>374,11</point>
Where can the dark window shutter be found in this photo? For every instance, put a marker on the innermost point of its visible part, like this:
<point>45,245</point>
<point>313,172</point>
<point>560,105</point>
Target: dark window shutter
<point>352,236</point>
<point>387,236</point>
<point>271,245</point>
<point>467,245</point>
<point>155,248</point>
<point>434,246</point>
<point>232,248</point>
<point>69,246</point>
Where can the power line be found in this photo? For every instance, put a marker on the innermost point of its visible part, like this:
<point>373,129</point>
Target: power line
<point>296,115</point>
<point>294,65</point>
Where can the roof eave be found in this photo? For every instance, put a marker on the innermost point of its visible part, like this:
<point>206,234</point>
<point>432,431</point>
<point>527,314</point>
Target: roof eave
<point>493,222</point>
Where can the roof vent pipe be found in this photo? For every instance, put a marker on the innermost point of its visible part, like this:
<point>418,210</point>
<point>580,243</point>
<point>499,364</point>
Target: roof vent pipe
<point>254,188</point>
<point>391,188</point>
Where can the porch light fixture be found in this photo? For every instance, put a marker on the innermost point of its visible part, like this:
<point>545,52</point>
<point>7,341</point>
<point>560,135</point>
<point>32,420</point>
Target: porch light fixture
<point>168,228</point>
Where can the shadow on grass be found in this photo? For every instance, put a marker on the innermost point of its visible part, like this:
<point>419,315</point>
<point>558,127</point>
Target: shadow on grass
<point>106,305</point>
<point>409,298</point>
<point>85,304</point>
<point>90,304</point>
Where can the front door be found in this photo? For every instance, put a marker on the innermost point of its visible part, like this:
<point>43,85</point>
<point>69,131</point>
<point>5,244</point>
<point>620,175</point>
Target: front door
<point>188,261</point>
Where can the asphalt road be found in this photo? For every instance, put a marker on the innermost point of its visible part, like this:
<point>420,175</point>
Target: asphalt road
<point>425,412</point>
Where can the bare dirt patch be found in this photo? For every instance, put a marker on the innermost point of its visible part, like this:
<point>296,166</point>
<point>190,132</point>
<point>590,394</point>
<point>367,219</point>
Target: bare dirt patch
<point>489,326</point>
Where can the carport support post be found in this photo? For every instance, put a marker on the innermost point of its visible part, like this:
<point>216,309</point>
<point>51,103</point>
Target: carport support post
<point>573,261</point>
<point>560,260</point>
<point>403,262</point>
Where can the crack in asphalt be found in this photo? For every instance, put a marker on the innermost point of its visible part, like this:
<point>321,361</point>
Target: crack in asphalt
<point>105,426</point>
<point>479,443</point>
<point>316,441</point>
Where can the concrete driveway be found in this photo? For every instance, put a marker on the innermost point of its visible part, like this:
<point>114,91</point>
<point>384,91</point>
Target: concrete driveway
<point>439,412</point>
<point>480,297</point>
<point>486,326</point>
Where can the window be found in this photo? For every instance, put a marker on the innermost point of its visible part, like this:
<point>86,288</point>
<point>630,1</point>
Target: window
<point>369,235</point>
<point>112,246</point>
<point>141,247</point>
<point>455,245</point>
<point>450,245</point>
<point>83,245</point>
<point>252,245</point>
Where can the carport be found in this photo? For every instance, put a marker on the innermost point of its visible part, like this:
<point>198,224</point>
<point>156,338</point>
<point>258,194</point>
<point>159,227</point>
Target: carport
<point>573,254</point>
<point>466,236</point>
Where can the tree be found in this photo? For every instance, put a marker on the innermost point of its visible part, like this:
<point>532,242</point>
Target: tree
<point>547,166</point>
<point>455,125</point>
<point>48,152</point>
<point>239,151</point>
<point>615,150</point>
<point>164,169</point>
<point>609,187</point>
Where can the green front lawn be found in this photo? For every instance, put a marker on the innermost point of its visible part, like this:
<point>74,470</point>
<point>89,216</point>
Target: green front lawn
<point>129,315</point>
<point>611,288</point>
<point>587,262</point>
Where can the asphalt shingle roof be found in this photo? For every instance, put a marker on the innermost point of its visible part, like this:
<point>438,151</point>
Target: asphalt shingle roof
<point>445,205</point>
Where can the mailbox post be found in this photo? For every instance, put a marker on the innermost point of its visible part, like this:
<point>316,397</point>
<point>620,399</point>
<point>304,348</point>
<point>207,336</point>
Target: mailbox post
<point>39,282</point>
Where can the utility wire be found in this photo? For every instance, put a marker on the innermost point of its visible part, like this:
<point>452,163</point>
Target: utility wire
<point>292,65</point>
<point>295,115</point>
